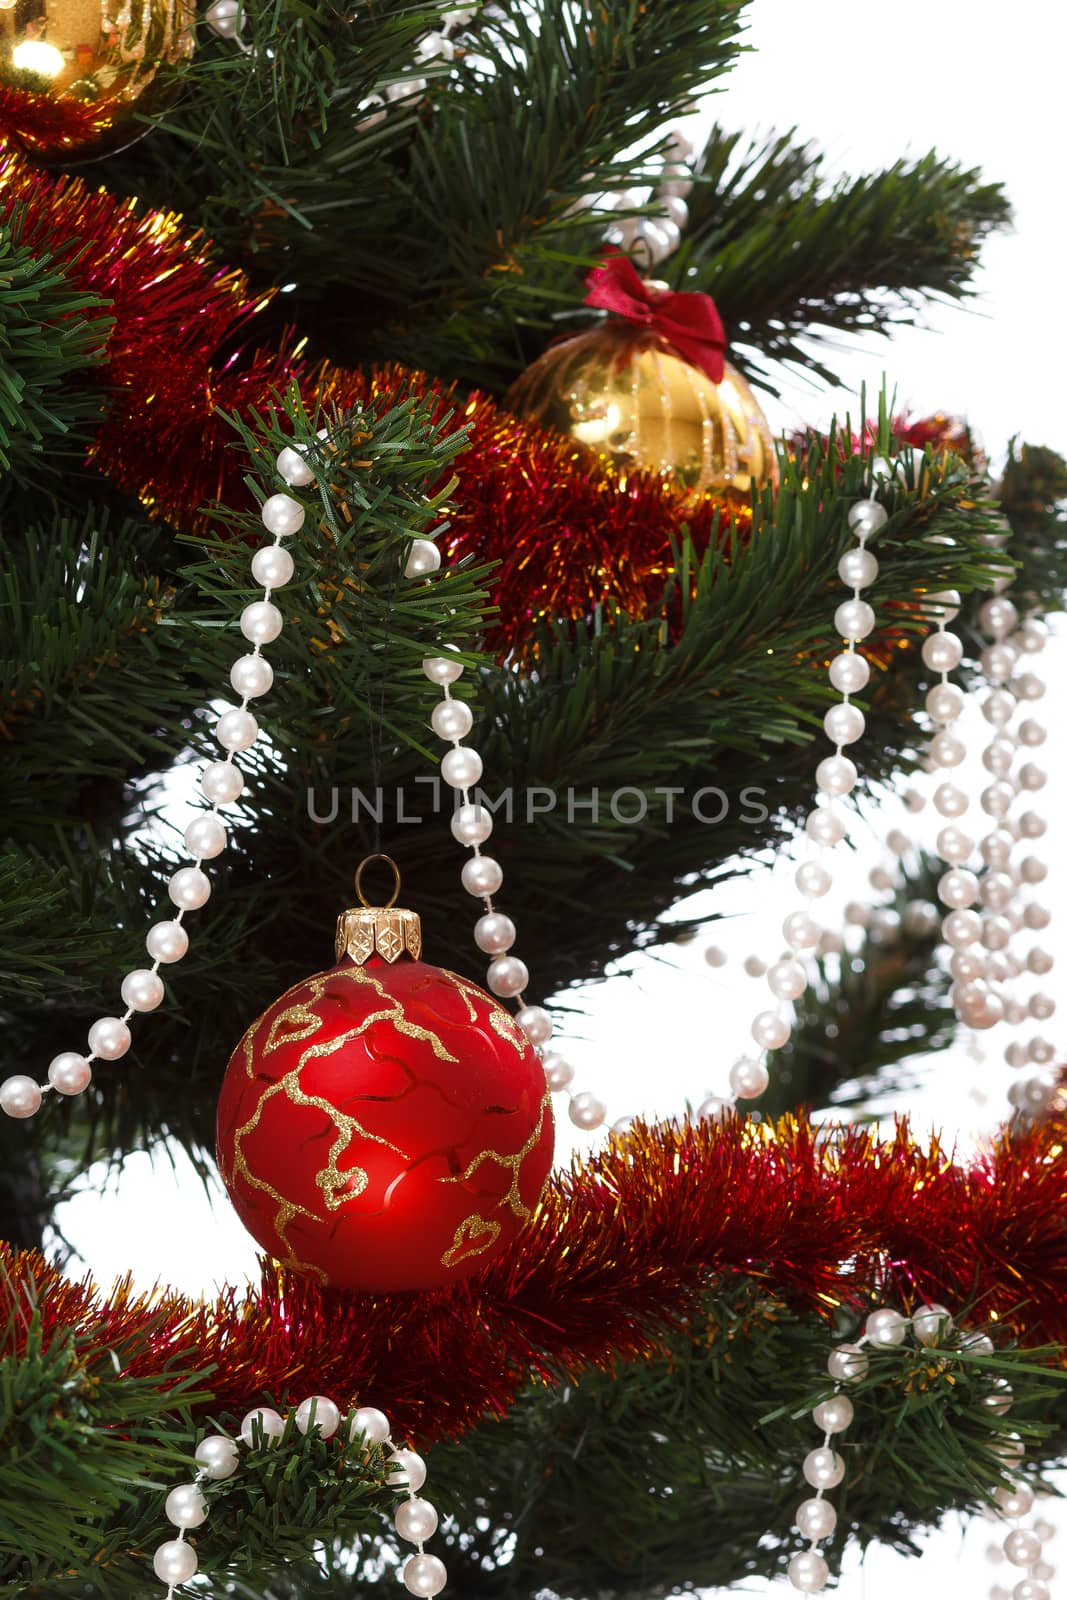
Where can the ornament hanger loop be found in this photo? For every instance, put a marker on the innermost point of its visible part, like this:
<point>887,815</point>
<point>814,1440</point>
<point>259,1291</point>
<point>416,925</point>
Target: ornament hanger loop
<point>364,864</point>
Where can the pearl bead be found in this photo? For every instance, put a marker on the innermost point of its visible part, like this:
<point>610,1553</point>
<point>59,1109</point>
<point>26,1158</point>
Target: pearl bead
<point>1042,1051</point>
<point>442,669</point>
<point>452,719</point>
<point>946,750</point>
<point>857,568</point>
<point>221,781</point>
<point>931,1324</point>
<point>222,16</point>
<point>494,933</point>
<point>714,956</point>
<point>175,1560</point>
<point>947,602</point>
<point>507,976</point>
<point>189,888</point>
<point>251,676</point>
<point>787,980</point>
<point>813,880</point>
<point>1036,917</point>
<point>1028,686</point>
<point>586,1111</point>
<point>823,1468</point>
<point>293,468</point>
<point>836,775</point>
<point>371,1423</point>
<point>282,515</point>
<point>996,800</point>
<point>999,1402</point>
<point>997,847</point>
<point>272,566</point>
<point>921,919</point>
<point>558,1072</point>
<point>535,1023</point>
<point>1037,1095</point>
<point>957,888</point>
<point>830,943</point>
<point>109,1038</point>
<point>1044,1530</point>
<point>415,1520</point>
<point>997,617</point>
<point>461,767</point>
<point>261,622</point>
<point>885,1328</point>
<point>1016,1501</point>
<point>748,1079</point>
<point>326,1420</point>
<point>844,724</point>
<point>998,662</point>
<point>481,876</point>
<point>1039,962</point>
<point>1015,1054</point>
<point>949,801</point>
<point>1032,776</point>
<point>675,209</point>
<point>236,729</point>
<point>411,1473</point>
<point>954,845</point>
<point>424,1575</point>
<point>961,927</point>
<point>825,826</point>
<point>834,1415</point>
<point>1022,1547</point>
<point>854,619</point>
<point>942,652</point>
<point>1031,733</point>
<point>20,1096</point>
<point>996,890</point>
<point>898,842</point>
<point>998,707</point>
<point>423,558</point>
<point>754,966</point>
<point>867,518</point>
<point>205,837</point>
<point>800,931</point>
<point>471,824</point>
<point>216,1456</point>
<point>980,1343</point>
<point>808,1571</point>
<point>1032,870</point>
<point>1031,1588</point>
<point>1032,635</point>
<point>816,1519</point>
<point>944,702</point>
<point>998,756</point>
<point>849,672</point>
<point>848,1363</point>
<point>770,1031</point>
<point>881,878</point>
<point>713,1109</point>
<point>185,1506</point>
<point>166,942</point>
<point>884,926</point>
<point>271,1425</point>
<point>69,1073</point>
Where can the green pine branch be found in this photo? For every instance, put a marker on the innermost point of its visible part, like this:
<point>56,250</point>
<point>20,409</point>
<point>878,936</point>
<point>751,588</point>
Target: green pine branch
<point>794,261</point>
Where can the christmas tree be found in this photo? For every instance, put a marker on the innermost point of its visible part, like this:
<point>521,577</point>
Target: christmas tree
<point>382,474</point>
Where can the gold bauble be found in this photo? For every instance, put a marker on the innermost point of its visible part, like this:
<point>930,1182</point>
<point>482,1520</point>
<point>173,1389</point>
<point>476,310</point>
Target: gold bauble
<point>621,392</point>
<point>73,72</point>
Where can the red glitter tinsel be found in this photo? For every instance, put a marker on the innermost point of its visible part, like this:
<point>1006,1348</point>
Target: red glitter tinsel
<point>620,1251</point>
<point>569,530</point>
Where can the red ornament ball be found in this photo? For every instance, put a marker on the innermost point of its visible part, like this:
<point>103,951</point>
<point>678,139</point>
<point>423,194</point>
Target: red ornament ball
<point>384,1126</point>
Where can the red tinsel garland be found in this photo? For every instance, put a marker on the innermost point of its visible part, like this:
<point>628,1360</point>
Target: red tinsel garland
<point>620,1251</point>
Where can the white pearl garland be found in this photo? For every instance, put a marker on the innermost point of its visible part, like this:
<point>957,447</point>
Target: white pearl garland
<point>217,1457</point>
<point>221,782</point>
<point>932,1326</point>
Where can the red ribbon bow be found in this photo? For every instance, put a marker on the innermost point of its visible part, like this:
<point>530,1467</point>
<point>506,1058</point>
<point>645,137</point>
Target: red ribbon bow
<point>689,323</point>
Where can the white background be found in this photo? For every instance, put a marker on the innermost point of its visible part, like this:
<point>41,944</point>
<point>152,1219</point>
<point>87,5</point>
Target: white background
<point>983,83</point>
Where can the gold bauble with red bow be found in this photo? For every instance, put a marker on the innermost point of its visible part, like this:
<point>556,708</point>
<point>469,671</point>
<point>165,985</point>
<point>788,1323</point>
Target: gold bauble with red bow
<point>651,388</point>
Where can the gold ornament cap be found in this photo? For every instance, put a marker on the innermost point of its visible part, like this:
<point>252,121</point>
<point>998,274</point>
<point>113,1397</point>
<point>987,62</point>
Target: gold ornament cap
<point>388,931</point>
